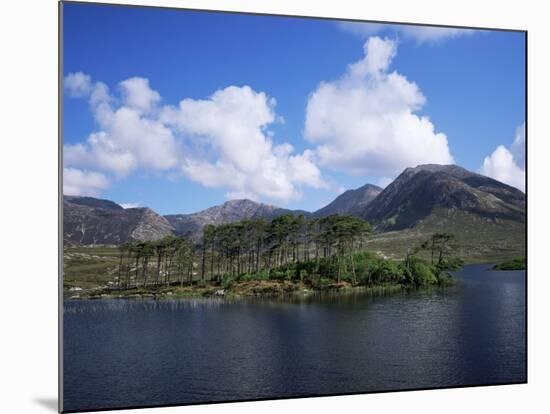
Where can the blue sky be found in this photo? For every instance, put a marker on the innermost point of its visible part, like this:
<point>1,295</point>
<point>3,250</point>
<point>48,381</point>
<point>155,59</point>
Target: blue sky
<point>468,86</point>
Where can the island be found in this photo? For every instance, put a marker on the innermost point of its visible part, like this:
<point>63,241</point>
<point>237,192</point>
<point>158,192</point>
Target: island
<point>287,255</point>
<point>519,263</point>
<point>427,222</point>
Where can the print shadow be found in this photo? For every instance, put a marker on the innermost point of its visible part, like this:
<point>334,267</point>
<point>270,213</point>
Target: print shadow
<point>49,403</point>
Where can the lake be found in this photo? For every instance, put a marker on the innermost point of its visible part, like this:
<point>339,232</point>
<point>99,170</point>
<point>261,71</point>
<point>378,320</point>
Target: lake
<point>125,353</point>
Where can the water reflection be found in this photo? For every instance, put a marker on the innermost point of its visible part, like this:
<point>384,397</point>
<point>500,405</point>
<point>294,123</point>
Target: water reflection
<point>143,352</point>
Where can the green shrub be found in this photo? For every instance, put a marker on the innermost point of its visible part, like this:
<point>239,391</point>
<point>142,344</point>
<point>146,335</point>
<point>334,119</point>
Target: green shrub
<point>388,272</point>
<point>278,274</point>
<point>324,267</point>
<point>261,275</point>
<point>423,273</point>
<point>324,281</point>
<point>245,277</point>
<point>227,281</point>
<point>365,265</point>
<point>452,263</point>
<point>519,263</point>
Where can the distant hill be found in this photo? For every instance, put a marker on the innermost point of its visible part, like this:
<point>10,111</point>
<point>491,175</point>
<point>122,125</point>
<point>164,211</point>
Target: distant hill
<point>487,216</point>
<point>352,202</point>
<point>88,220</point>
<point>228,212</point>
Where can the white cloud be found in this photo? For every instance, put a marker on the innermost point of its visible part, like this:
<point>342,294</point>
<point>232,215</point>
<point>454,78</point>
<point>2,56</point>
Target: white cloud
<point>83,183</point>
<point>518,146</point>
<point>365,122</point>
<point>77,84</point>
<point>101,152</point>
<point>238,152</point>
<point>223,141</point>
<point>138,95</point>
<point>128,139</point>
<point>421,34</point>
<point>430,34</point>
<point>378,55</point>
<point>145,141</point>
<point>129,205</point>
<point>508,164</point>
<point>100,99</point>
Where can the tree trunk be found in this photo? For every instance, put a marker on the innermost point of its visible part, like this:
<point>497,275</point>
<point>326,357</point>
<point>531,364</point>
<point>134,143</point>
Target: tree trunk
<point>119,270</point>
<point>258,255</point>
<point>159,256</point>
<point>144,271</point>
<point>203,270</point>
<point>137,266</point>
<point>353,269</point>
<point>211,263</point>
<point>128,269</point>
<point>238,261</point>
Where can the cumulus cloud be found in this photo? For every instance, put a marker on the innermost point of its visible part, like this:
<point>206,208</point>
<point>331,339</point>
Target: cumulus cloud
<point>127,138</point>
<point>508,164</point>
<point>365,123</point>
<point>232,125</point>
<point>77,84</point>
<point>421,34</point>
<point>83,183</point>
<point>223,141</point>
<point>138,95</point>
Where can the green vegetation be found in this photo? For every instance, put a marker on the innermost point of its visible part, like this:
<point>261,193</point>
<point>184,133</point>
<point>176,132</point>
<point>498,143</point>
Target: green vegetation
<point>290,254</point>
<point>519,263</point>
<point>89,266</point>
<point>477,239</point>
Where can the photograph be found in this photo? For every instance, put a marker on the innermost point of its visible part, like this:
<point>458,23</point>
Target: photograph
<point>260,206</point>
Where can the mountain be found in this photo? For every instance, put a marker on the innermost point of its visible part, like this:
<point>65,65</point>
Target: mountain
<point>88,220</point>
<point>419,191</point>
<point>486,216</point>
<point>92,202</point>
<point>228,212</point>
<point>351,202</point>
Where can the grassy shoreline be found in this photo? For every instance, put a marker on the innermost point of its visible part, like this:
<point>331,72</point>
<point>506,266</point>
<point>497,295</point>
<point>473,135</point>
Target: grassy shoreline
<point>111,272</point>
<point>519,263</point>
<point>248,289</point>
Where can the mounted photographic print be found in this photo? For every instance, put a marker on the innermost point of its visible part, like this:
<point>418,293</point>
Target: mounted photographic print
<point>260,207</point>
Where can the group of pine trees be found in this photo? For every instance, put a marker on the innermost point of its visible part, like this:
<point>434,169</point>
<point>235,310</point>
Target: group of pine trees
<point>288,246</point>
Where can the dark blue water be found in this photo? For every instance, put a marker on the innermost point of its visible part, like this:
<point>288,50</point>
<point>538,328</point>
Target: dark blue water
<point>121,353</point>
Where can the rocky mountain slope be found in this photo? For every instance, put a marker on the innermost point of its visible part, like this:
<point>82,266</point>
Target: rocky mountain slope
<point>351,202</point>
<point>487,216</point>
<point>228,212</point>
<point>88,220</point>
<point>418,192</point>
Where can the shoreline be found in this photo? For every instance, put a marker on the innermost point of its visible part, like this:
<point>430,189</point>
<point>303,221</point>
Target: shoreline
<point>257,289</point>
<point>246,290</point>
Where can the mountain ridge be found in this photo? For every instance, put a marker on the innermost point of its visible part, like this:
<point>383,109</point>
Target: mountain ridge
<point>94,221</point>
<point>229,211</point>
<point>487,216</point>
<point>350,201</point>
<point>417,191</point>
